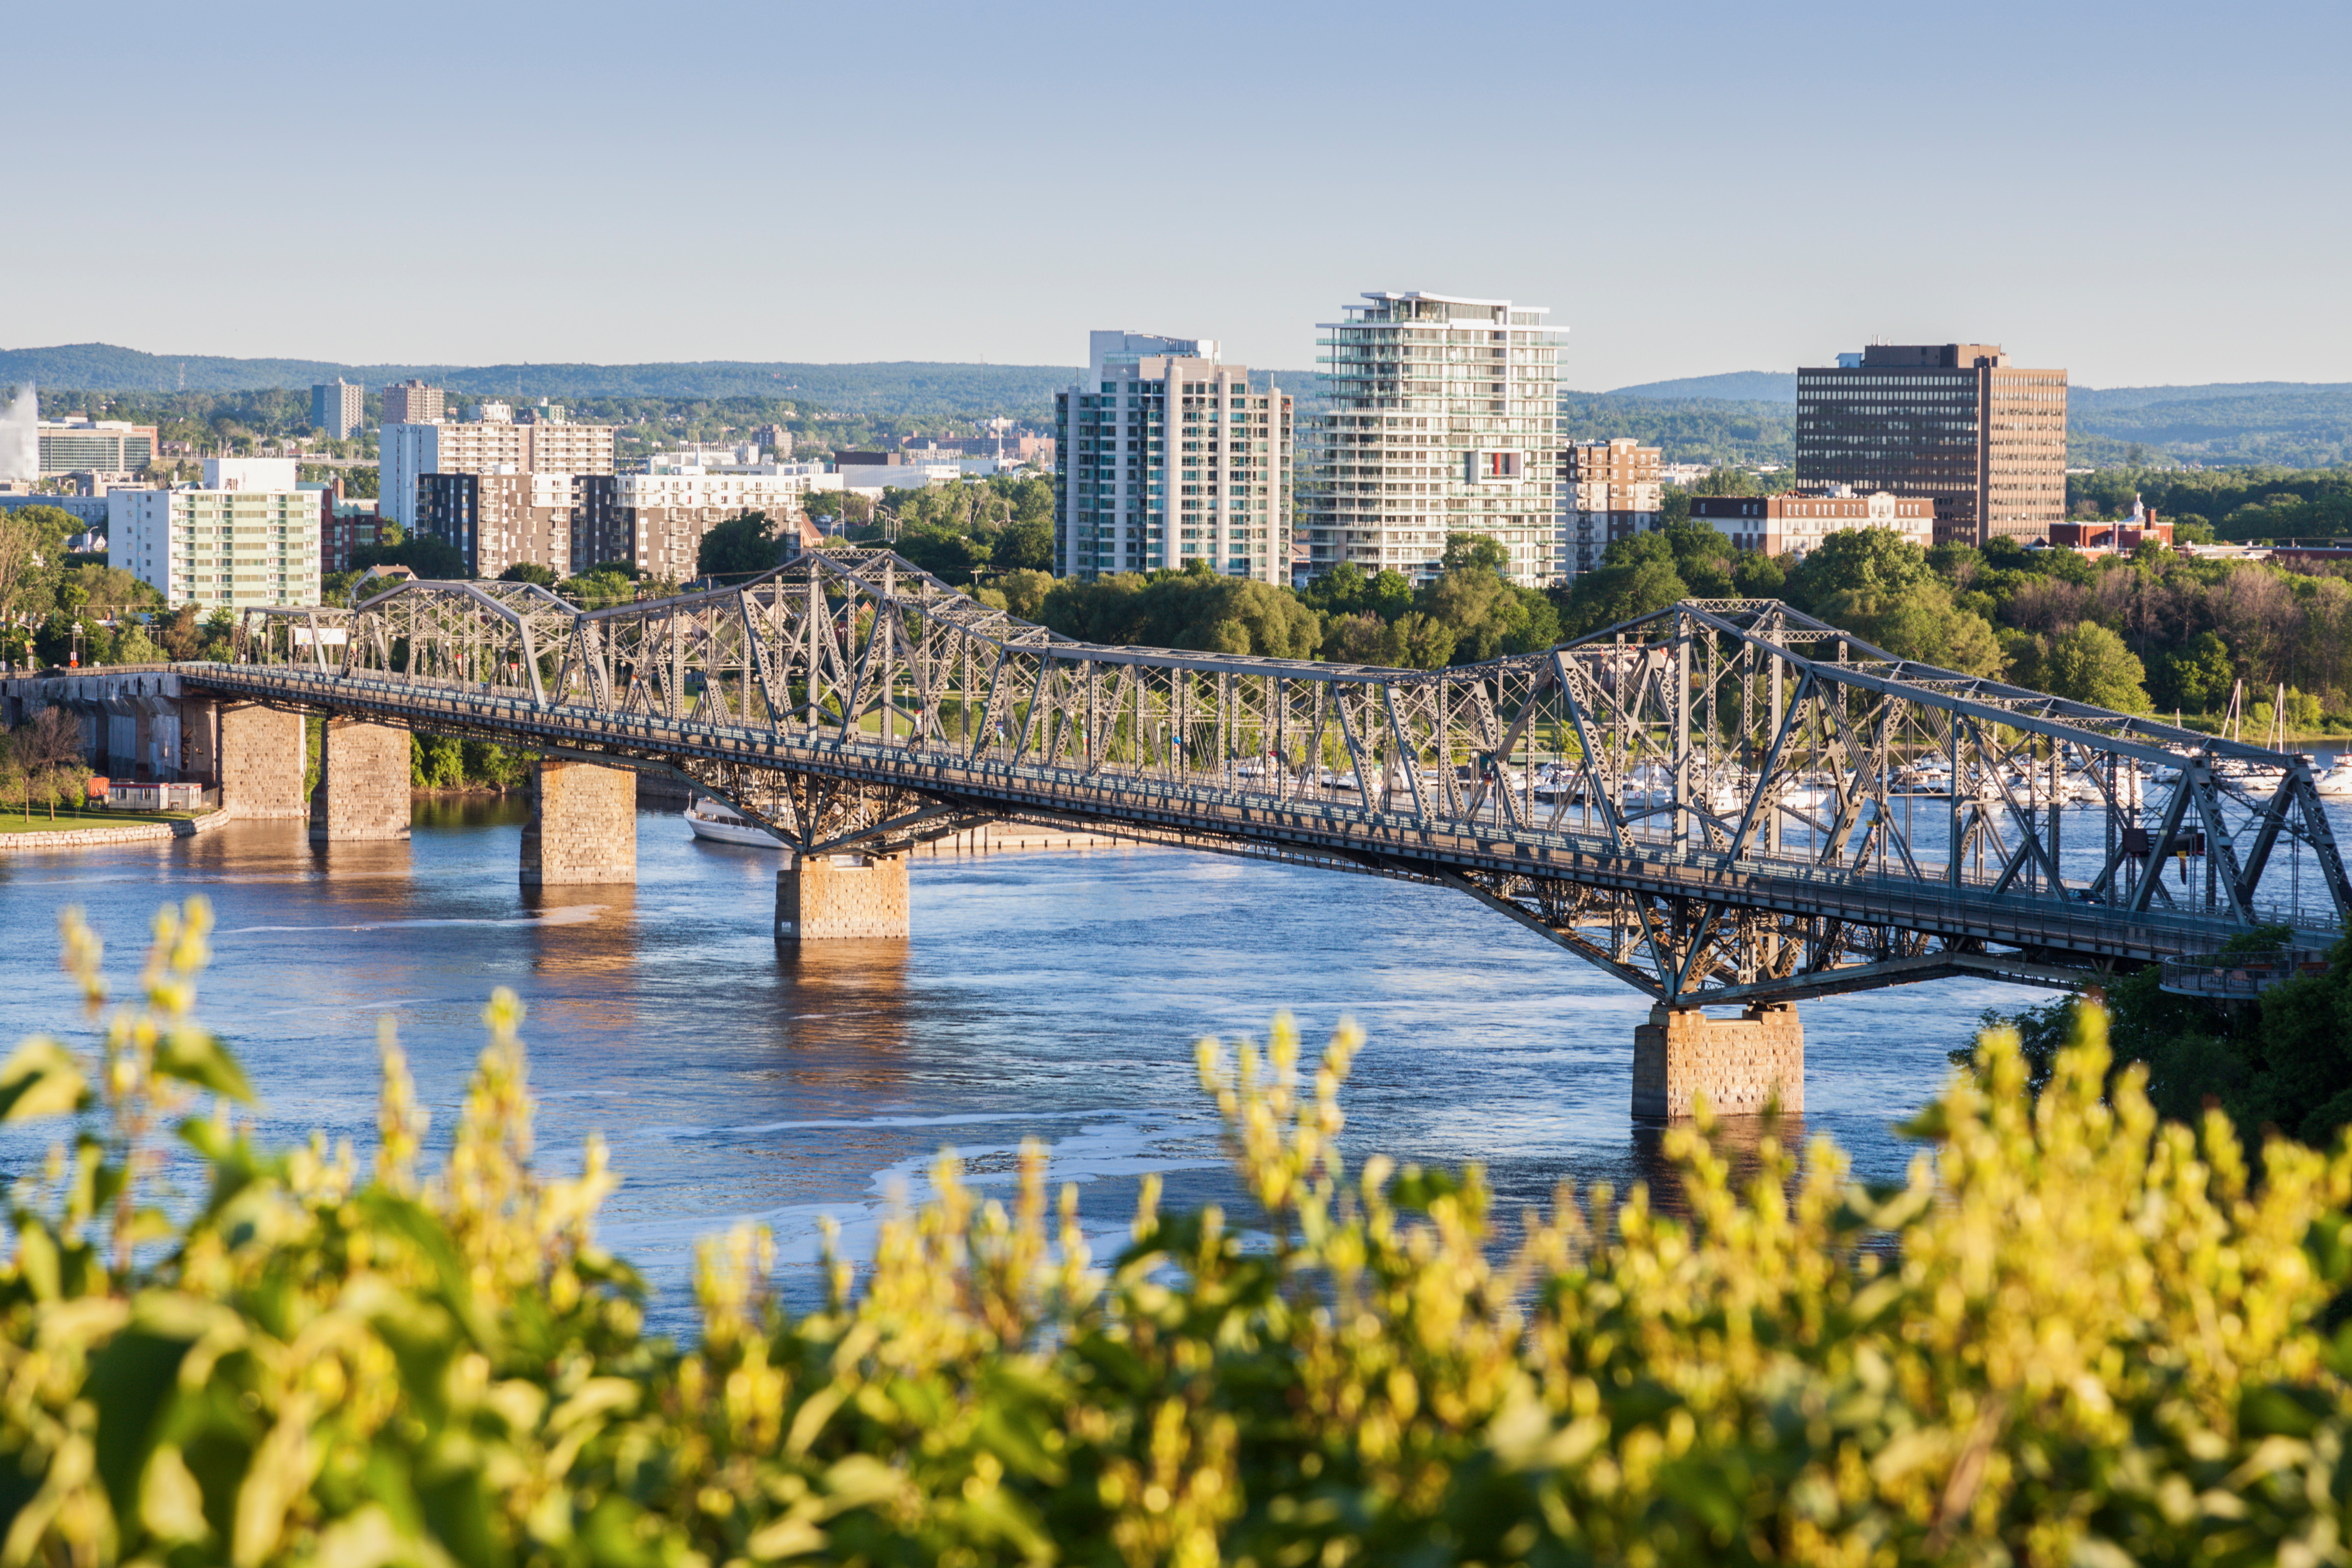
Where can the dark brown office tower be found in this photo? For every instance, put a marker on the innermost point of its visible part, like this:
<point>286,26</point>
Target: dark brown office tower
<point>1953,421</point>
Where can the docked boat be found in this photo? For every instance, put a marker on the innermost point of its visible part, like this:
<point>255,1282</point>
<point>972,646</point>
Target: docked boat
<point>2337,782</point>
<point>722,824</point>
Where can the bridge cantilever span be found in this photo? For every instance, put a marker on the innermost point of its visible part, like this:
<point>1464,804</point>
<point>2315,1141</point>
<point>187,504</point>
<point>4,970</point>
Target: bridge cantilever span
<point>1722,802</point>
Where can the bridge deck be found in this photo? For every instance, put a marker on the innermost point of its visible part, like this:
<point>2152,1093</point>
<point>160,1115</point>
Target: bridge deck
<point>1281,817</point>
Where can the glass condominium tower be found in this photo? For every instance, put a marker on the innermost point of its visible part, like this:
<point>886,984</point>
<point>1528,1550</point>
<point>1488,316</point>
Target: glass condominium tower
<point>1167,458</point>
<point>1444,418</point>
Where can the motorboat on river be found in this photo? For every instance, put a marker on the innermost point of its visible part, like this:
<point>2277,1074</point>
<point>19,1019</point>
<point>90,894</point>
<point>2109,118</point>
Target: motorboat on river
<point>722,824</point>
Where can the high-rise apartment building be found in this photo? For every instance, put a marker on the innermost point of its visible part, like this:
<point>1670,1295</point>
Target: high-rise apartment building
<point>413,403</point>
<point>407,452</point>
<point>1167,457</point>
<point>1444,419</point>
<point>502,518</point>
<point>1613,491</point>
<point>1955,421</point>
<point>245,536</point>
<point>338,407</point>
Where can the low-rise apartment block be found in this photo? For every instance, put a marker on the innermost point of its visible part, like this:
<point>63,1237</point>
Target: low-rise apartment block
<point>656,520</point>
<point>1168,457</point>
<point>245,536</point>
<point>1796,522</point>
<point>1613,491</point>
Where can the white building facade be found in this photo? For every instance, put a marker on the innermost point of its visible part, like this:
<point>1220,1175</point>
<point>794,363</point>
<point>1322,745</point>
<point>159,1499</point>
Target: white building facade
<point>245,536</point>
<point>1167,457</point>
<point>1444,419</point>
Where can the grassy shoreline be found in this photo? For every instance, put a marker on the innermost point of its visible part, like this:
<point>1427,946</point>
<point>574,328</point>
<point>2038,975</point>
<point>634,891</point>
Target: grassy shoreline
<point>13,820</point>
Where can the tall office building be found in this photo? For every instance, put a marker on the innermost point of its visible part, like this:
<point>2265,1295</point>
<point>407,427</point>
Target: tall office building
<point>1612,492</point>
<point>245,535</point>
<point>413,403</point>
<point>1444,419</point>
<point>1956,421</point>
<point>1167,458</point>
<point>408,452</point>
<point>338,407</point>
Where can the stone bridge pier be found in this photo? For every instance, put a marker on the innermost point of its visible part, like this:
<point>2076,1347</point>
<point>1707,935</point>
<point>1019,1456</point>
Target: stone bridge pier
<point>1744,1065</point>
<point>583,826</point>
<point>842,897</point>
<point>261,758</point>
<point>364,782</point>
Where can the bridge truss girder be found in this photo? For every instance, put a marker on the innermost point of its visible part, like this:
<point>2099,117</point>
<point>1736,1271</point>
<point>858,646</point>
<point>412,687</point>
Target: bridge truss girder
<point>1739,746</point>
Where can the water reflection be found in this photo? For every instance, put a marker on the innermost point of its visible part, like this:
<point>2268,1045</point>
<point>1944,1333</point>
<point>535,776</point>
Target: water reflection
<point>1739,1141</point>
<point>469,810</point>
<point>1053,996</point>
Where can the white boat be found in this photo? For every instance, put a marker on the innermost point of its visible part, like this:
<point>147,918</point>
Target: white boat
<point>722,824</point>
<point>2337,782</point>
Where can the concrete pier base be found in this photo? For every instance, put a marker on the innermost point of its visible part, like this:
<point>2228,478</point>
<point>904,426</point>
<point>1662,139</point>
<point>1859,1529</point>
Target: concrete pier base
<point>1743,1065</point>
<point>829,898</point>
<point>259,753</point>
<point>363,783</point>
<point>583,826</point>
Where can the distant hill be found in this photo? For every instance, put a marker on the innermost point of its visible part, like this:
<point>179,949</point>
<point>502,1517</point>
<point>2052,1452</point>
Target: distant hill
<point>1744,416</point>
<point>1735,386</point>
<point>900,388</point>
<point>2293,424</point>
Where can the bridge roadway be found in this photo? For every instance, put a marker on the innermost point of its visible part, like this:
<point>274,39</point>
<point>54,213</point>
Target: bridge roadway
<point>2050,941</point>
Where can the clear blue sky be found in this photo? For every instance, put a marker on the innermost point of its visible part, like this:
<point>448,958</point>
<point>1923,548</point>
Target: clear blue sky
<point>2141,192</point>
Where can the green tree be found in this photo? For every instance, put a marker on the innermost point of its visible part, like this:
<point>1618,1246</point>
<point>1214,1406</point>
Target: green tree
<point>1758,575</point>
<point>1465,552</point>
<point>1025,545</point>
<point>738,547</point>
<point>2197,676</point>
<point>1620,592</point>
<point>529,571</point>
<point>2091,665</point>
<point>1922,623</point>
<point>1025,594</point>
<point>1874,561</point>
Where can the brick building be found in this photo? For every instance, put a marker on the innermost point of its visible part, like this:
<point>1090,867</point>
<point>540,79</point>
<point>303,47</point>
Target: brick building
<point>1613,491</point>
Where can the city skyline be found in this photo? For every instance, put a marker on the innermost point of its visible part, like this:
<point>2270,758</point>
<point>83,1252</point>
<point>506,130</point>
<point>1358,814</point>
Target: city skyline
<point>1767,190</point>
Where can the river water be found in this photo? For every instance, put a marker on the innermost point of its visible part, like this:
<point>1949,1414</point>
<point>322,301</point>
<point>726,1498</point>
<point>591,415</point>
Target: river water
<point>1053,994</point>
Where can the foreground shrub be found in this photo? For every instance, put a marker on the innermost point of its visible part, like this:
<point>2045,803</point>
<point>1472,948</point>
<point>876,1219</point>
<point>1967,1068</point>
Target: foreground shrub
<point>2074,1336</point>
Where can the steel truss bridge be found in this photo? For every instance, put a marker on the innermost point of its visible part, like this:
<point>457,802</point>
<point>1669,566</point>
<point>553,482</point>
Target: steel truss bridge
<point>1720,802</point>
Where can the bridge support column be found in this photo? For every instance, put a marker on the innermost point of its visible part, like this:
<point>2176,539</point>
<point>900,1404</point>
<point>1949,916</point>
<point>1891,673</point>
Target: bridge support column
<point>1740,1064</point>
<point>363,783</point>
<point>260,758</point>
<point>826,898</point>
<point>583,826</point>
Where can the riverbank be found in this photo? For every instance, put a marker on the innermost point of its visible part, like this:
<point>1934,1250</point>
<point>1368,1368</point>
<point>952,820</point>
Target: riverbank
<point>147,825</point>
